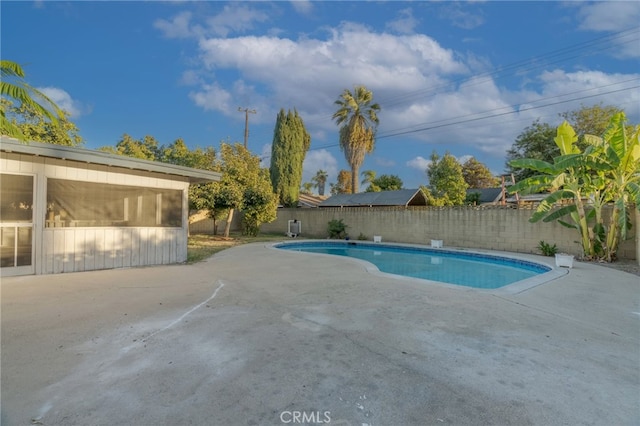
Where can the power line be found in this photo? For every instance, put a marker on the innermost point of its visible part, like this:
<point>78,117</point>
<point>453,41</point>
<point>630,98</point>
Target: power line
<point>535,62</point>
<point>401,130</point>
<point>594,46</point>
<point>504,113</point>
<point>484,117</point>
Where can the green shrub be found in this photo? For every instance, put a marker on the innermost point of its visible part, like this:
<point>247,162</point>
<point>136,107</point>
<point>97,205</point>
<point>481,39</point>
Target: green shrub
<point>362,237</point>
<point>547,249</point>
<point>337,229</point>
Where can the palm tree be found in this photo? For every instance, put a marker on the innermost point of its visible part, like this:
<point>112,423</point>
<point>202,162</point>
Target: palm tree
<point>320,180</point>
<point>15,88</point>
<point>306,188</point>
<point>368,177</point>
<point>358,118</point>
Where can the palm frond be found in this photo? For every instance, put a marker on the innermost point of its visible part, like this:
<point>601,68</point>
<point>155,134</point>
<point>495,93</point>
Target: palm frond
<point>11,69</point>
<point>7,128</point>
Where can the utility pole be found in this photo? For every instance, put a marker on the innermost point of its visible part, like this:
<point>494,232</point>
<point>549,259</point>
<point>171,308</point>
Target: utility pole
<point>246,123</point>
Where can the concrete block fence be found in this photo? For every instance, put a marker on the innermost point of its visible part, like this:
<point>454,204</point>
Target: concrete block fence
<point>492,227</point>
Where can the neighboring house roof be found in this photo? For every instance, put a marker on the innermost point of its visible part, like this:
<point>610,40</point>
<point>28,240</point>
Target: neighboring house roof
<point>307,200</point>
<point>402,197</point>
<point>487,195</point>
<point>112,160</point>
<point>531,198</point>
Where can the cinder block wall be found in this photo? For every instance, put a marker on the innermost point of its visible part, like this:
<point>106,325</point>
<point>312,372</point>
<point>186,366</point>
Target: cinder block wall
<point>495,228</point>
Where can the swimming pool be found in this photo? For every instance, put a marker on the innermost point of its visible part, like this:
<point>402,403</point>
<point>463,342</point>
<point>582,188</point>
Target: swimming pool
<point>470,269</point>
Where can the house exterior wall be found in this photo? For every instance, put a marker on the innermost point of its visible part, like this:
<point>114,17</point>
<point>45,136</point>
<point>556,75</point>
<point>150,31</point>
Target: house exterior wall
<point>491,227</point>
<point>75,249</point>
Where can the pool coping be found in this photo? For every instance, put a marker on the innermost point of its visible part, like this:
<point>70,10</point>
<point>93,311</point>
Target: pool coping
<point>554,273</point>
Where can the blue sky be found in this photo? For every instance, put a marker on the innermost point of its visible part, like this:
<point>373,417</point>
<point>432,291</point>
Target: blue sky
<point>450,76</point>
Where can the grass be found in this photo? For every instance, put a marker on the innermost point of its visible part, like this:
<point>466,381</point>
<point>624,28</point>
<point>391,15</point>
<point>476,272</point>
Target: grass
<point>201,247</point>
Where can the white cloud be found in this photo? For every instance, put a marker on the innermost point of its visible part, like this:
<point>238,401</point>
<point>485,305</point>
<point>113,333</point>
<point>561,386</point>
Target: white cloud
<point>612,16</point>
<point>64,101</point>
<point>405,22</point>
<point>415,79</point>
<point>419,163</point>
<point>384,162</point>
<point>308,73</point>
<point>191,78</point>
<point>178,27</point>
<point>235,18</point>
<point>609,15</point>
<point>611,89</point>
<point>320,159</point>
<point>461,18</point>
<point>213,97</point>
<point>304,7</point>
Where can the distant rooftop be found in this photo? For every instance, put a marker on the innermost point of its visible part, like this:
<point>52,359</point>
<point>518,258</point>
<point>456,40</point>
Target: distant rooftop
<point>308,200</point>
<point>402,197</point>
<point>487,195</point>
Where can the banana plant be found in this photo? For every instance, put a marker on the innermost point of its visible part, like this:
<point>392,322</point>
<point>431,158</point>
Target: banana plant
<point>581,183</point>
<point>621,154</point>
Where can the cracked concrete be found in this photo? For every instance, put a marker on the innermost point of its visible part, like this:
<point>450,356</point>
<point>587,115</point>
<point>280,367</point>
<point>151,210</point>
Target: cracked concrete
<point>254,332</point>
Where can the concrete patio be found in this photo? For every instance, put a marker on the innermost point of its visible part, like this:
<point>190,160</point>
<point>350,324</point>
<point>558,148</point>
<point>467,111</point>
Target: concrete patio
<point>254,335</point>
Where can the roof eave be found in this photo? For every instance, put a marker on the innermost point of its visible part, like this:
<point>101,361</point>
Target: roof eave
<point>83,155</point>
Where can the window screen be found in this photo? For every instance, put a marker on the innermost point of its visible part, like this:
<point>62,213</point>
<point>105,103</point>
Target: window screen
<point>17,198</point>
<point>74,203</point>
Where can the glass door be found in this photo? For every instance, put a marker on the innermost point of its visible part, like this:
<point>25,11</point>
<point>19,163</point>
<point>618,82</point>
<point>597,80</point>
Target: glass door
<point>16,224</point>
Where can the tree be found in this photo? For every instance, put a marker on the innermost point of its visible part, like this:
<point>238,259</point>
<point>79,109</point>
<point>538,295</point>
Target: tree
<point>368,177</point>
<point>306,188</point>
<point>244,185</point>
<point>358,120</point>
<point>145,149</point>
<point>199,194</point>
<point>477,175</point>
<point>446,183</point>
<point>178,153</point>
<point>35,126</point>
<point>260,203</point>
<point>385,183</point>
<point>535,142</point>
<point>592,120</point>
<point>291,141</point>
<point>320,181</point>
<point>19,94</point>
<point>343,186</point>
<point>607,172</point>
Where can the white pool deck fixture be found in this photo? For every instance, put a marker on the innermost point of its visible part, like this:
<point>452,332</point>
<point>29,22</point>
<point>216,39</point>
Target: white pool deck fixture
<point>377,238</point>
<point>294,228</point>
<point>436,243</point>
<point>564,260</point>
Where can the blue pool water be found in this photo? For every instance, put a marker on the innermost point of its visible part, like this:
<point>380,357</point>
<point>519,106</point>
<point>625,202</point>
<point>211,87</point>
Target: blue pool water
<point>461,268</point>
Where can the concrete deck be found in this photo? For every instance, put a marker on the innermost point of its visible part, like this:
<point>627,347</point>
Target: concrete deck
<point>254,334</point>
